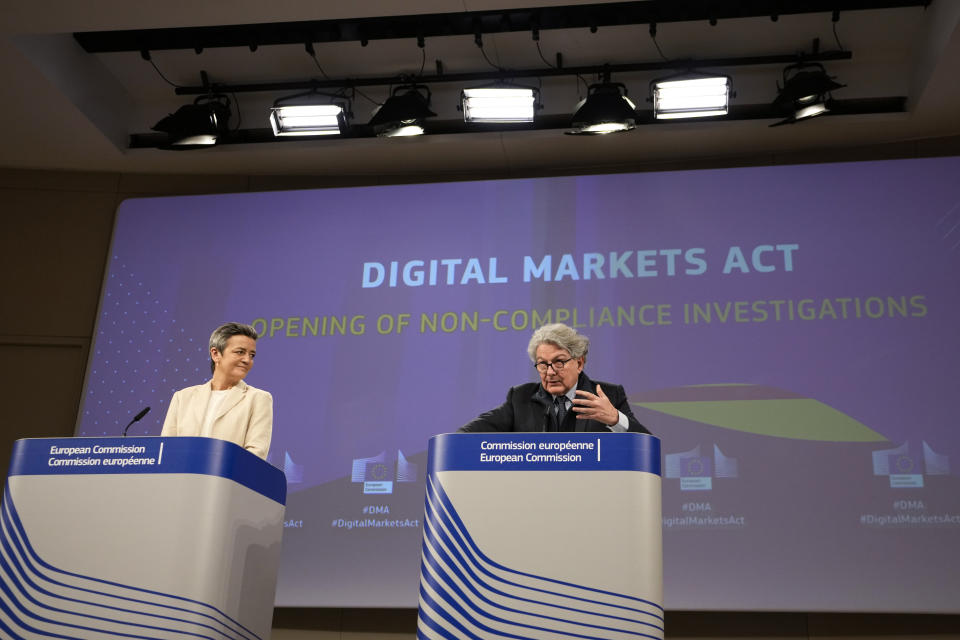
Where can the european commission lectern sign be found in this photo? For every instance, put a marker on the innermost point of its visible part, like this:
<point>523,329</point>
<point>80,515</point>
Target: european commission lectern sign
<point>139,538</point>
<point>542,535</point>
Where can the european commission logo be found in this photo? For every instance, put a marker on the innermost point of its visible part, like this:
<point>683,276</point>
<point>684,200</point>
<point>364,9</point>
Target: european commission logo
<point>696,472</point>
<point>906,467</point>
<point>377,473</point>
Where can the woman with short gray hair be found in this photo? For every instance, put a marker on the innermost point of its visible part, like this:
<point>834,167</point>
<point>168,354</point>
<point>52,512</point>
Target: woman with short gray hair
<point>225,407</point>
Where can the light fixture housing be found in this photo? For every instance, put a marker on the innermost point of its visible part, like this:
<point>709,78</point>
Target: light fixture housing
<point>606,109</point>
<point>690,95</point>
<point>499,103</point>
<point>308,120</point>
<point>403,113</point>
<point>806,92</point>
<point>198,125</point>
<point>309,114</point>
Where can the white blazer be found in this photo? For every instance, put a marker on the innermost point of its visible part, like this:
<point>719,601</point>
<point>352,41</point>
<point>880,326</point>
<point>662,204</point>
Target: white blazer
<point>245,416</point>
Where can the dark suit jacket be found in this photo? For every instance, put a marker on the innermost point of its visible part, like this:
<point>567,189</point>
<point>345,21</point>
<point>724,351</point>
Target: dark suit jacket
<point>527,407</point>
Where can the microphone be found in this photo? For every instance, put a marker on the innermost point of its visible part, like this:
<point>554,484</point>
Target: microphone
<point>136,418</point>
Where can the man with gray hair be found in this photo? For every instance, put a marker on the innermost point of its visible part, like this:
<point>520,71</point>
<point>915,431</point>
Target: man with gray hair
<point>565,399</point>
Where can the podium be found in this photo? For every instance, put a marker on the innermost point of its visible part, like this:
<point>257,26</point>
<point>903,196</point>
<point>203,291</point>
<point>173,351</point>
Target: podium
<point>542,535</point>
<point>139,538</point>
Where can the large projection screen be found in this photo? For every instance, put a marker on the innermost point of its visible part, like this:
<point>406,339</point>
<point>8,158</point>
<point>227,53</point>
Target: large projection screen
<point>791,333</point>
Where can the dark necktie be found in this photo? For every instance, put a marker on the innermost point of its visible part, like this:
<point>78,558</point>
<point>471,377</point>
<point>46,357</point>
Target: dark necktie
<point>560,410</point>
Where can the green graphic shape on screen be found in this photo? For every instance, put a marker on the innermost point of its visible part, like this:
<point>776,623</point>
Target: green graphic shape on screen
<point>758,409</point>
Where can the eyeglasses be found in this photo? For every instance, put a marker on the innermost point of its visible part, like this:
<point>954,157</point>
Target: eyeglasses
<point>556,365</point>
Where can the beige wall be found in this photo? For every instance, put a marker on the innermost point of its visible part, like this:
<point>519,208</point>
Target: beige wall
<point>53,247</point>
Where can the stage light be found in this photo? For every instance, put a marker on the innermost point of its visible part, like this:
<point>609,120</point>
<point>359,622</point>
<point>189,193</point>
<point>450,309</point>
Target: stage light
<point>806,92</point>
<point>606,109</point>
<point>308,119</point>
<point>403,131</point>
<point>403,113</point>
<point>198,125</point>
<point>811,111</point>
<point>501,103</point>
<point>690,95</point>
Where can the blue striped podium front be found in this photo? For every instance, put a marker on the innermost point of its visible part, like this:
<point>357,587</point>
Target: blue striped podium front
<point>542,535</point>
